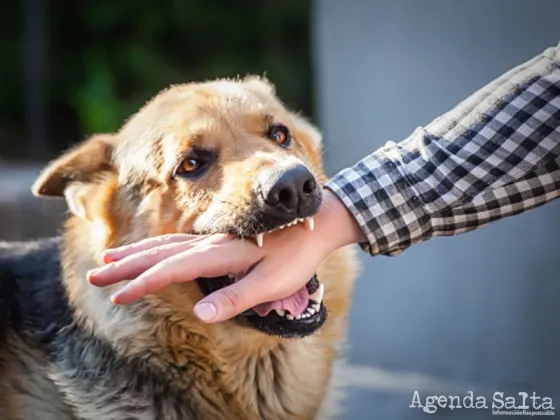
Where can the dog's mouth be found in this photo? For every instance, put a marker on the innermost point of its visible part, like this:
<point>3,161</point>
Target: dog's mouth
<point>295,316</point>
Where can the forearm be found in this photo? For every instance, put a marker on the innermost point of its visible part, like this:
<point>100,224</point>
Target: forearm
<point>494,155</point>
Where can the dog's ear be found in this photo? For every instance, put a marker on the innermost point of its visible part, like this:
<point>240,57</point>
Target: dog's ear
<point>260,84</point>
<point>77,171</point>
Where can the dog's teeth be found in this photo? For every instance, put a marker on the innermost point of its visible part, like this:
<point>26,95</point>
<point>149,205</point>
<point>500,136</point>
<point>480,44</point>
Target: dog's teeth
<point>300,220</point>
<point>260,239</point>
<point>298,316</point>
<point>282,227</point>
<point>310,223</point>
<point>318,295</point>
<point>231,276</point>
<point>316,307</point>
<point>290,317</point>
<point>311,310</point>
<point>281,312</point>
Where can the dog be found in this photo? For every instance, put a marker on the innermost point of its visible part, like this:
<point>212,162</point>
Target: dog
<point>219,156</point>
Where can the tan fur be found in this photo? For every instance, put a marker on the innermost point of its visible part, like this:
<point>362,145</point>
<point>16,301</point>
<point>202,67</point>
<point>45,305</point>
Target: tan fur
<point>234,370</point>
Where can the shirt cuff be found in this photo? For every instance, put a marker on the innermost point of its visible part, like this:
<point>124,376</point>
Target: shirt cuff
<point>382,202</point>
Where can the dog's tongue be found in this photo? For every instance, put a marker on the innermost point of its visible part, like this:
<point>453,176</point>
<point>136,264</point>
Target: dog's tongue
<point>294,304</point>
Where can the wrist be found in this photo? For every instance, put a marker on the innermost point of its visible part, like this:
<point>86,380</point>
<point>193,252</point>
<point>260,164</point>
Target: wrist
<point>336,225</point>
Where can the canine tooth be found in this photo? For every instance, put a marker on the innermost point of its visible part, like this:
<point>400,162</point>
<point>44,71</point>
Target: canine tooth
<point>260,239</point>
<point>310,223</point>
<point>318,295</point>
<point>281,312</point>
<point>290,317</point>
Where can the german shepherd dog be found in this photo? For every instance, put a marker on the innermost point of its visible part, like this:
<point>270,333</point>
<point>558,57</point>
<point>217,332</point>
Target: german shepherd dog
<point>197,158</point>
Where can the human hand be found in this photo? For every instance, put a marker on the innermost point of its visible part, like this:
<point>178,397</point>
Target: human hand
<point>278,269</point>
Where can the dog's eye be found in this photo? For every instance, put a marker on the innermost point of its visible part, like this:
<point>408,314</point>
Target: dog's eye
<point>279,134</point>
<point>189,166</point>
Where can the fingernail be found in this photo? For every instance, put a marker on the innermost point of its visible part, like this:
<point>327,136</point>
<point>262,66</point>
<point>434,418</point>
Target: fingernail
<point>91,273</point>
<point>119,294</point>
<point>115,298</point>
<point>107,258</point>
<point>205,311</point>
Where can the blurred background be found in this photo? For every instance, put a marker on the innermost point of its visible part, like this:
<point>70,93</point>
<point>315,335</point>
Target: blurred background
<point>477,312</point>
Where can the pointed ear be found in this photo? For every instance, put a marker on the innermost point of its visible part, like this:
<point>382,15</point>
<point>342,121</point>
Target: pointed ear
<point>260,84</point>
<point>74,173</point>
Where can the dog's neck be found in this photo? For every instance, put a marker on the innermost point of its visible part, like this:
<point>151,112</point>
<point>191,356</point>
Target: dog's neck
<point>292,374</point>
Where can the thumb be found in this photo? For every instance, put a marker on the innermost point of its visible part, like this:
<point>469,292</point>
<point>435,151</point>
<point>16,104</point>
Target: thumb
<point>257,287</point>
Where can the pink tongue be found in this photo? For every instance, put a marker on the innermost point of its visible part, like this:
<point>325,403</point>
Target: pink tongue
<point>294,304</point>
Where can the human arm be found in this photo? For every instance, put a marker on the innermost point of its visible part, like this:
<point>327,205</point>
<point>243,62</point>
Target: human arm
<point>494,155</point>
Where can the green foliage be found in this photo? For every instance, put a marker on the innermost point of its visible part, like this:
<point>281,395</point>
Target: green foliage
<point>107,58</point>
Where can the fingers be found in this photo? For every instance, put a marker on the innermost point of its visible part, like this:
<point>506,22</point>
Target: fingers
<point>132,266</point>
<point>204,260</point>
<point>262,284</point>
<point>115,254</point>
<point>155,278</point>
<point>130,261</point>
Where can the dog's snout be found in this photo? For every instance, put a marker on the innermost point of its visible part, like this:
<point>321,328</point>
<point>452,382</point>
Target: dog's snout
<point>292,191</point>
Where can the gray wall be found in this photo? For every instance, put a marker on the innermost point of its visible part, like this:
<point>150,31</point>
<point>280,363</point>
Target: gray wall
<point>479,311</point>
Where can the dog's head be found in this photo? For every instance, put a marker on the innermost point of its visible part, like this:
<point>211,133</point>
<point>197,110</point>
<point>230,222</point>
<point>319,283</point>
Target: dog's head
<point>222,156</point>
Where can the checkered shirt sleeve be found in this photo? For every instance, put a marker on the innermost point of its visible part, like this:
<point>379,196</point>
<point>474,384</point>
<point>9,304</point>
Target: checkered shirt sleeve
<point>494,155</point>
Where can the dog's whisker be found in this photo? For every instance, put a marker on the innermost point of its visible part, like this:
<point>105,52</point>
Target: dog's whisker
<point>235,206</point>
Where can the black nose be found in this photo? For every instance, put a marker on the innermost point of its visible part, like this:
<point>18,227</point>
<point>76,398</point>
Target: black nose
<point>293,191</point>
